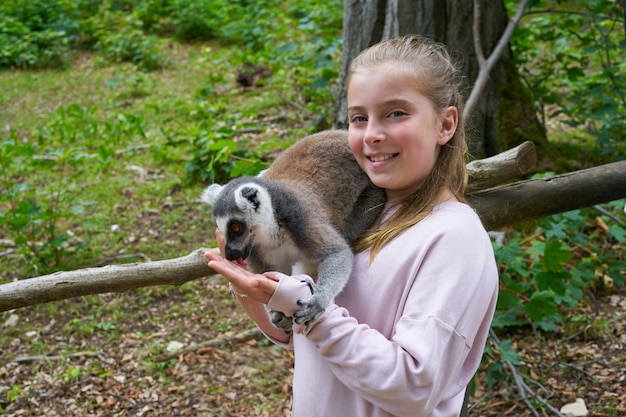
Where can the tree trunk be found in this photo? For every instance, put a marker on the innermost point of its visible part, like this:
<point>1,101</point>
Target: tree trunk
<point>504,116</point>
<point>362,27</point>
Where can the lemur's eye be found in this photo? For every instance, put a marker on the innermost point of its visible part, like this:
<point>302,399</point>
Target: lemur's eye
<point>235,228</point>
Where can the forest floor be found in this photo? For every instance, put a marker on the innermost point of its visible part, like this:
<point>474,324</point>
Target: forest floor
<point>190,351</point>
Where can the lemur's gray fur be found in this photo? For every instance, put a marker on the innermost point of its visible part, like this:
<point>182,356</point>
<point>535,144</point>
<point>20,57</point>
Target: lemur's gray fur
<point>305,210</point>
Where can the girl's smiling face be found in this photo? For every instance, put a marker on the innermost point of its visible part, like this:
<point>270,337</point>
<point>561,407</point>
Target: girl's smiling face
<point>394,131</point>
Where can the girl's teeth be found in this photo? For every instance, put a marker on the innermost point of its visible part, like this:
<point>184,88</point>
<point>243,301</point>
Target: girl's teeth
<point>380,158</point>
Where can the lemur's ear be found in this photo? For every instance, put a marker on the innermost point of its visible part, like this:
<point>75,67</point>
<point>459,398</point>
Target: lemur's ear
<point>209,195</point>
<point>251,194</point>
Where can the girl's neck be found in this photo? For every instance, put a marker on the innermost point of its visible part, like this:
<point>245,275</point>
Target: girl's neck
<point>445,196</point>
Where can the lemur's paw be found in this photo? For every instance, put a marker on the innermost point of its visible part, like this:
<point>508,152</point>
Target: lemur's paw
<point>281,321</point>
<point>309,281</point>
<point>313,309</point>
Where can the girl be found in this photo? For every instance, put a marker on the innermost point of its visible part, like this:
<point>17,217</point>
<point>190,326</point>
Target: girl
<point>407,333</point>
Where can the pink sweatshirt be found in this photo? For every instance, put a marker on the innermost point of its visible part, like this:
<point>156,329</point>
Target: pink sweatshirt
<point>407,334</point>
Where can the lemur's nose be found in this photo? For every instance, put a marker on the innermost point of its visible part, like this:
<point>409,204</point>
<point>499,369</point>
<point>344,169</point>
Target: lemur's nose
<point>233,254</point>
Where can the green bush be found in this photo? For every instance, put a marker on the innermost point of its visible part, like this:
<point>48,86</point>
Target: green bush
<point>573,62</point>
<point>120,38</point>
<point>21,47</point>
<point>198,20</point>
<point>41,33</point>
<point>545,276</point>
<point>32,214</point>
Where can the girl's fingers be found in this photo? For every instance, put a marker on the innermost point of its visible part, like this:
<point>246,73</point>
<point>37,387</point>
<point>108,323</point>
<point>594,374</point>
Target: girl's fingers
<point>219,236</point>
<point>255,286</point>
<point>264,284</point>
<point>227,268</point>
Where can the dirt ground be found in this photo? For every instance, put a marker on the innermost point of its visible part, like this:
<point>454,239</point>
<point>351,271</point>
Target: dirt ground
<point>224,368</point>
<point>190,351</point>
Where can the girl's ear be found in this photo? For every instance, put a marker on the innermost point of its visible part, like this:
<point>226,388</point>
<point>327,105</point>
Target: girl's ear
<point>449,122</point>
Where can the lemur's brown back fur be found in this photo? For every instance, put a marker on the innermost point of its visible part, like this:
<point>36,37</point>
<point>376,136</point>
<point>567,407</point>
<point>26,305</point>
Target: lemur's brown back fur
<point>327,157</point>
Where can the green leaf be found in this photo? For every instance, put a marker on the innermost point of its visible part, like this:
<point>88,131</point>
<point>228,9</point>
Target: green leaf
<point>555,281</point>
<point>572,296</point>
<point>508,300</point>
<point>495,373</point>
<point>18,189</point>
<point>606,111</point>
<point>574,74</point>
<point>512,256</point>
<point>618,232</point>
<point>548,324</point>
<point>558,231</point>
<point>541,305</point>
<point>618,277</point>
<point>507,353</point>
<point>507,320</point>
<point>555,255</point>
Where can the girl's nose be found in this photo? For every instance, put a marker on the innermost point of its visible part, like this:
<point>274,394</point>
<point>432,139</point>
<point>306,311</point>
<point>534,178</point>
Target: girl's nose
<point>374,133</point>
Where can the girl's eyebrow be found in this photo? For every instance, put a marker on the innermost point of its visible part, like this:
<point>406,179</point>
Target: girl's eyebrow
<point>355,108</point>
<point>385,104</point>
<point>396,102</point>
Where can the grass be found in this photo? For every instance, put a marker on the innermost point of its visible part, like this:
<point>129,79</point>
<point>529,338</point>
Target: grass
<point>107,147</point>
<point>33,95</point>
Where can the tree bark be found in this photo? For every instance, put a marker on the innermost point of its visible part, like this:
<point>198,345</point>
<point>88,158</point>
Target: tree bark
<point>504,167</point>
<point>532,199</point>
<point>497,207</point>
<point>113,278</point>
<point>362,27</point>
<point>504,115</point>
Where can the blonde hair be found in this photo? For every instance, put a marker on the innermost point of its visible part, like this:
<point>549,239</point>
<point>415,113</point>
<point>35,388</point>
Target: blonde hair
<point>429,69</point>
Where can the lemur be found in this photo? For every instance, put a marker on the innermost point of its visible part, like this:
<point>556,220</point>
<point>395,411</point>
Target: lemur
<point>300,216</point>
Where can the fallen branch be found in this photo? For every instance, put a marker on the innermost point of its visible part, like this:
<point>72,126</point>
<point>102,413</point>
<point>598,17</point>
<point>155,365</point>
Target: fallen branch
<point>222,340</point>
<point>502,168</point>
<point>7,252</point>
<point>38,358</point>
<point>523,388</point>
<point>113,278</point>
<point>528,200</point>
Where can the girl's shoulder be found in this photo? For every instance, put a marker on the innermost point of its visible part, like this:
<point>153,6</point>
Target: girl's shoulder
<point>455,206</point>
<point>455,212</point>
<point>454,219</point>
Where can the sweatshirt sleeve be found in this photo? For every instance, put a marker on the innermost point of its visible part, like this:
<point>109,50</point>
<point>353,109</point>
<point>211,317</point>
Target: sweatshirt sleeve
<point>290,289</point>
<point>439,336</point>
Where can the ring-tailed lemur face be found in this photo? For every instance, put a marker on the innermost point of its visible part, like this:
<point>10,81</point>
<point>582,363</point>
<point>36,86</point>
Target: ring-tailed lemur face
<point>237,238</point>
<point>243,213</point>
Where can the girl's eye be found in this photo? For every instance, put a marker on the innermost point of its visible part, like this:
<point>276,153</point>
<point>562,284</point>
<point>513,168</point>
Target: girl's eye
<point>358,119</point>
<point>397,113</point>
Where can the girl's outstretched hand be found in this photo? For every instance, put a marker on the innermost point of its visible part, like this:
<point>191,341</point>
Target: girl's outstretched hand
<point>256,286</point>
